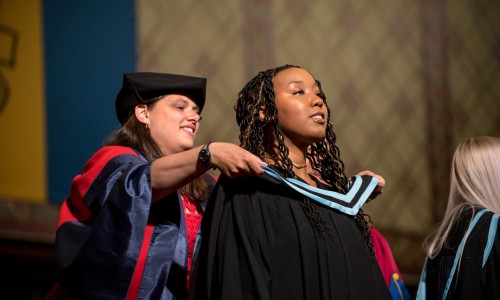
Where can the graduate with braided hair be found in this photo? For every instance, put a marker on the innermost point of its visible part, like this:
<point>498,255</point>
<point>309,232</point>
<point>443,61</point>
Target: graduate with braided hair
<point>288,234</point>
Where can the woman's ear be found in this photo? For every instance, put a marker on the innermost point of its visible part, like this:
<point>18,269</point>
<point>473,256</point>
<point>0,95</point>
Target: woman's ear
<point>262,114</point>
<point>142,114</point>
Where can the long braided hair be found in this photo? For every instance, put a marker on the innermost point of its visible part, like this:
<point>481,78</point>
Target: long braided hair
<point>261,136</point>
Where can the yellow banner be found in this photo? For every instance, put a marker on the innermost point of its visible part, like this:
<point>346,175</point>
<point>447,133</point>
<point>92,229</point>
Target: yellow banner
<point>22,117</point>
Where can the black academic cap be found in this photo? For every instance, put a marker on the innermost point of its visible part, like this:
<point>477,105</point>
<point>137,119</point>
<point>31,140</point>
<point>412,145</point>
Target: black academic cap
<point>141,87</point>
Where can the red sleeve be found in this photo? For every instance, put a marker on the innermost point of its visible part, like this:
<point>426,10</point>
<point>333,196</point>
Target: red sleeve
<point>81,183</point>
<point>384,256</point>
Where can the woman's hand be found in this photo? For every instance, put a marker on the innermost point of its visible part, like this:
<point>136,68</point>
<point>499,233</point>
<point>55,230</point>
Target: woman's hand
<point>234,161</point>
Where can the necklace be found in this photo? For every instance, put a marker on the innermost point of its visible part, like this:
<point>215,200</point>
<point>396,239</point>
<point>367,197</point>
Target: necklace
<point>298,166</point>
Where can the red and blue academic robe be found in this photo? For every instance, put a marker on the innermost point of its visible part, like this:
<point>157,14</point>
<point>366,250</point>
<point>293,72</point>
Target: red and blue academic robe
<point>388,266</point>
<point>112,242</point>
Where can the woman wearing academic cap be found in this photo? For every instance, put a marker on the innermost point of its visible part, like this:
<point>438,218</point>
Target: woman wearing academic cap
<point>288,234</point>
<point>127,228</point>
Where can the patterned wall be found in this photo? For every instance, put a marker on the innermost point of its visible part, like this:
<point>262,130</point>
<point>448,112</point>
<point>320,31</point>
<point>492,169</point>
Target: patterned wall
<point>406,81</point>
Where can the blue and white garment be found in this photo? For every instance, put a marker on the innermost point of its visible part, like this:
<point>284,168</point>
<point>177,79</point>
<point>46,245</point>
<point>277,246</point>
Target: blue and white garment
<point>349,203</point>
<point>460,254</point>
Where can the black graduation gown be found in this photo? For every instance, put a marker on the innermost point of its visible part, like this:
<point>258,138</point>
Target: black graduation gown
<point>257,242</point>
<point>473,280</point>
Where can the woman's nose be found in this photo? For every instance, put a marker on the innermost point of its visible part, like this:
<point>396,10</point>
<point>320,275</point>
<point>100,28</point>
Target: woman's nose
<point>317,101</point>
<point>193,116</point>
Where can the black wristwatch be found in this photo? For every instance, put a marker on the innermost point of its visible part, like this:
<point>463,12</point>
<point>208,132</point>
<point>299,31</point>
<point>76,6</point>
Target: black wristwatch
<point>204,155</point>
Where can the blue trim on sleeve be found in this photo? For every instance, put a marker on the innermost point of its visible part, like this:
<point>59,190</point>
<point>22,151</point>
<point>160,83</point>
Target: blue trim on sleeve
<point>459,251</point>
<point>491,237</point>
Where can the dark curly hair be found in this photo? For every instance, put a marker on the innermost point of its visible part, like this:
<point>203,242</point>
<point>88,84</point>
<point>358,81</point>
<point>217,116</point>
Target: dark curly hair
<point>259,137</point>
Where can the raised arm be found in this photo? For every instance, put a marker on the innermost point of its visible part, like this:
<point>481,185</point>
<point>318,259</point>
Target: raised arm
<point>173,171</point>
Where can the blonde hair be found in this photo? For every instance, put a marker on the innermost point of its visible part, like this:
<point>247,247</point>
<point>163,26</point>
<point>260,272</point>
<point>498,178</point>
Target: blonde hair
<point>474,184</point>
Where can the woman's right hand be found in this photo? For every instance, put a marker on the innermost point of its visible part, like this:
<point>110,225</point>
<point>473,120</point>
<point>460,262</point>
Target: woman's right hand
<point>234,161</point>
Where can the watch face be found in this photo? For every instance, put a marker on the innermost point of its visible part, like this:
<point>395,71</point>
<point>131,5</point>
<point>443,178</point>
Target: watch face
<point>204,155</point>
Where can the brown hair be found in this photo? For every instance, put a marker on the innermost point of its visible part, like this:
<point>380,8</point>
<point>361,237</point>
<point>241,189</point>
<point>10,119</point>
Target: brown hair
<point>135,135</point>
